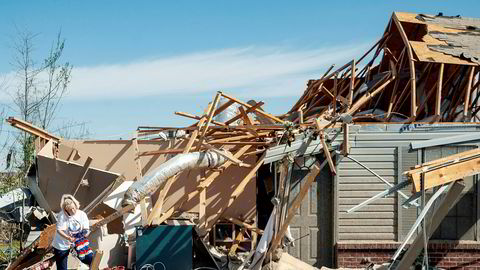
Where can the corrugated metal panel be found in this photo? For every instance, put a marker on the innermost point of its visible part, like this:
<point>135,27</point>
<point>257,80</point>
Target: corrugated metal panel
<point>355,184</point>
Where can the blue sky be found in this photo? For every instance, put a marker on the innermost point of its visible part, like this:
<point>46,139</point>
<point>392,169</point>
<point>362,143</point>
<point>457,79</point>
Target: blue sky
<point>136,62</point>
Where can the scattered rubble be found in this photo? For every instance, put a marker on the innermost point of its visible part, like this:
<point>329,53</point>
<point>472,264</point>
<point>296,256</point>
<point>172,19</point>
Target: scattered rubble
<point>194,188</point>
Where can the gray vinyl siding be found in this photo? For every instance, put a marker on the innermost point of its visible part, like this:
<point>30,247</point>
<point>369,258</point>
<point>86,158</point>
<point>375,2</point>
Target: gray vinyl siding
<point>408,215</point>
<point>386,151</point>
<point>376,221</point>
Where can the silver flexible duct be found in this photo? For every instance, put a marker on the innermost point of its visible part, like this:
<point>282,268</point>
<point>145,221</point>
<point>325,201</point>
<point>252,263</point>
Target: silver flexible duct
<point>157,177</point>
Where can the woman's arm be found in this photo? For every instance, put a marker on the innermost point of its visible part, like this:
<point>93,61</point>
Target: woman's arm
<point>66,236</point>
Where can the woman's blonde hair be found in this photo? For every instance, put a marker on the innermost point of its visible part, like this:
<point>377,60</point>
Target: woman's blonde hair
<point>68,200</point>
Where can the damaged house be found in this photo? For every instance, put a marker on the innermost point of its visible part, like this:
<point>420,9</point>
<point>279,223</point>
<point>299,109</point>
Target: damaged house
<point>375,157</point>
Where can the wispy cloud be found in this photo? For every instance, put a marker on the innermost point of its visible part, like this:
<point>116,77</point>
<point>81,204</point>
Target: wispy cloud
<point>255,71</point>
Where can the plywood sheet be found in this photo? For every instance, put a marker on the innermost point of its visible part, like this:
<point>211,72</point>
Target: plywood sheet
<point>408,17</point>
<point>57,177</point>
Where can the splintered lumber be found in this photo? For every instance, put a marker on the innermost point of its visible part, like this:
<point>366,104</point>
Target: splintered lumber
<point>32,129</point>
<point>41,245</point>
<point>237,138</point>
<point>346,142</point>
<point>112,217</point>
<point>202,210</point>
<point>238,116</point>
<point>159,218</point>
<point>438,100</point>
<point>257,110</point>
<point>237,192</point>
<point>184,114</point>
<point>331,164</point>
<point>367,97</point>
<point>445,170</point>
<point>236,243</point>
<point>352,84</point>
<point>226,154</point>
<point>138,164</point>
<point>294,206</point>
<point>157,208</point>
<point>210,113</point>
<point>467,93</point>
<point>243,224</point>
<point>413,84</point>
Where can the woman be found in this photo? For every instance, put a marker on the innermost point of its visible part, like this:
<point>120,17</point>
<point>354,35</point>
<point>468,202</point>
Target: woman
<point>72,228</point>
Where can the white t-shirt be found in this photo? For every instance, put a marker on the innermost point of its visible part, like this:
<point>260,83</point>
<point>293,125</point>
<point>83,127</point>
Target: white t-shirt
<point>71,225</point>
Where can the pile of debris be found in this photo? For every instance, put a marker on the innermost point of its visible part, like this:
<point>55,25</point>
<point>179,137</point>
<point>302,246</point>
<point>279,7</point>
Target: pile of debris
<point>199,181</point>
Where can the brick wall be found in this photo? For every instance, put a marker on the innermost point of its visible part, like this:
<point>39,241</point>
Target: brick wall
<point>443,254</point>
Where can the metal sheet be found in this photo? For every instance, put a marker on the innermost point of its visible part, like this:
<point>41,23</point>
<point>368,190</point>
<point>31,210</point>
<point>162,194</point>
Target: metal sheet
<point>446,140</point>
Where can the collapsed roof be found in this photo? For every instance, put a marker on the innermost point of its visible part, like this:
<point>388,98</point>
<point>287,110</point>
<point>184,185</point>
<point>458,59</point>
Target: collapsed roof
<point>423,68</point>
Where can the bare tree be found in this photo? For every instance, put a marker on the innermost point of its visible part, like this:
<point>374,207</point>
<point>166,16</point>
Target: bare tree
<point>39,88</point>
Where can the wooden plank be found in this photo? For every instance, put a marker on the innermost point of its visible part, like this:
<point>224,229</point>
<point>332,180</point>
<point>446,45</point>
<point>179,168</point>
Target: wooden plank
<point>208,180</point>
<point>194,134</point>
<point>184,114</point>
<point>246,118</point>
<point>163,152</point>
<point>352,84</point>
<point>413,84</point>
<point>157,208</point>
<point>237,138</point>
<point>144,210</point>
<point>326,151</point>
<point>335,93</point>
<point>447,174</point>
<point>83,173</point>
<point>257,110</point>
<point>202,212</point>
<point>324,89</point>
<point>238,191</point>
<point>300,117</point>
<point>367,97</point>
<point>138,164</point>
<point>238,116</point>
<point>97,258</point>
<point>238,240</point>
<point>111,217</point>
<point>346,141</point>
<point>293,208</point>
<point>211,112</point>
<point>34,130</point>
<point>463,154</point>
<point>244,143</point>
<point>438,100</point>
<point>226,154</point>
<point>243,224</point>
<point>467,93</point>
<point>204,184</point>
